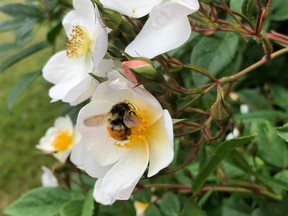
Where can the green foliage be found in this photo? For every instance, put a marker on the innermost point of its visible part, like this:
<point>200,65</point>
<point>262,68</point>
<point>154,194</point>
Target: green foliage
<point>214,53</point>
<point>240,177</point>
<point>271,147</point>
<point>283,132</point>
<point>22,54</point>
<point>42,201</point>
<point>21,85</point>
<point>190,208</point>
<point>279,11</point>
<point>220,153</point>
<point>169,204</point>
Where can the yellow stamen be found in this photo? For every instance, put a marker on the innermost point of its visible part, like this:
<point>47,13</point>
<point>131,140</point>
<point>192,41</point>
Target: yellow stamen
<point>138,132</point>
<point>79,43</point>
<point>62,141</point>
<point>140,207</point>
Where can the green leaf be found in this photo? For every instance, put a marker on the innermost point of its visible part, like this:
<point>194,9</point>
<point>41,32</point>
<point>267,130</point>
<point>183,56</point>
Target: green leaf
<point>21,11</point>
<point>111,18</point>
<point>42,201</point>
<point>152,211</point>
<point>191,208</point>
<point>10,25</point>
<point>273,182</point>
<point>221,152</point>
<point>24,33</point>
<point>248,8</point>
<point>88,206</point>
<point>258,115</point>
<point>283,132</point>
<point>279,10</point>
<point>236,5</point>
<point>22,54</point>
<point>20,86</point>
<point>280,96</point>
<point>213,53</point>
<point>271,148</point>
<point>72,208</point>
<point>254,99</point>
<point>238,160</point>
<point>118,208</point>
<point>272,209</point>
<point>169,204</point>
<point>54,32</point>
<point>7,47</point>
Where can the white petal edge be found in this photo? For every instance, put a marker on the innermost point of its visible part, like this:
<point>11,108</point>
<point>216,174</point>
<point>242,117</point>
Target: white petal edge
<point>121,179</point>
<point>48,179</point>
<point>81,91</point>
<point>160,141</point>
<point>169,11</point>
<point>62,156</point>
<point>84,160</point>
<point>83,15</point>
<point>131,8</point>
<point>153,40</point>
<point>100,196</point>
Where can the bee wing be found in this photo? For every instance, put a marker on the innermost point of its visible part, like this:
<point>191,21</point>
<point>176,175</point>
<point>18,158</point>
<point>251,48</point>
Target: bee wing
<point>95,121</point>
<point>131,120</point>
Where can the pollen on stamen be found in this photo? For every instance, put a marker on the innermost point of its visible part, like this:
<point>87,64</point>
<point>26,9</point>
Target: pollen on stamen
<point>138,133</point>
<point>79,43</point>
<point>62,141</point>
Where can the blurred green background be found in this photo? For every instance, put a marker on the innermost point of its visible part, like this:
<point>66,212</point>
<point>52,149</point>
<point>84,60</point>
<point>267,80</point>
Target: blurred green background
<point>264,90</point>
<point>20,130</point>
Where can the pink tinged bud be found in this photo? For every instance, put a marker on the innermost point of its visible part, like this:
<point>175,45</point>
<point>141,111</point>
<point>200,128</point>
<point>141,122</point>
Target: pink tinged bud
<point>133,64</point>
<point>126,65</point>
<point>233,96</point>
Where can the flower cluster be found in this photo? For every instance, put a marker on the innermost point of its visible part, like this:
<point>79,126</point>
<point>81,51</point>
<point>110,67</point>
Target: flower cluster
<point>123,129</point>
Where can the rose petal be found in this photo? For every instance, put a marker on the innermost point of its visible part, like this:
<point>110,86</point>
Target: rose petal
<point>104,67</point>
<point>47,178</point>
<point>126,172</point>
<point>83,15</point>
<point>160,141</point>
<point>154,40</point>
<point>100,196</point>
<point>169,11</point>
<point>92,167</point>
<point>100,44</point>
<point>131,8</point>
<point>97,139</point>
<point>81,91</point>
<point>64,124</point>
<point>63,155</point>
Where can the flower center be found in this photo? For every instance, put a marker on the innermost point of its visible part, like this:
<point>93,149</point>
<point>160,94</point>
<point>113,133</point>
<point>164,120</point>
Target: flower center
<point>62,141</point>
<point>79,43</point>
<point>137,133</point>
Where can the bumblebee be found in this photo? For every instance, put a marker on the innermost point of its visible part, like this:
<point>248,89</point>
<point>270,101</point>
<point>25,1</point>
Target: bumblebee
<point>120,119</point>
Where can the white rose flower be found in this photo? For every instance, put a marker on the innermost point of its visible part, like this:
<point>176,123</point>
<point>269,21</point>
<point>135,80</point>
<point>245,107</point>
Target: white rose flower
<point>234,134</point>
<point>88,41</point>
<point>140,208</point>
<point>60,139</point>
<point>167,27</point>
<point>48,179</point>
<point>244,108</point>
<point>116,148</point>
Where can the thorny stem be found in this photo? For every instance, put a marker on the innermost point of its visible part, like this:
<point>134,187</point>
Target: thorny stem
<point>254,189</point>
<point>259,17</point>
<point>252,67</point>
<point>191,156</point>
<point>236,13</point>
